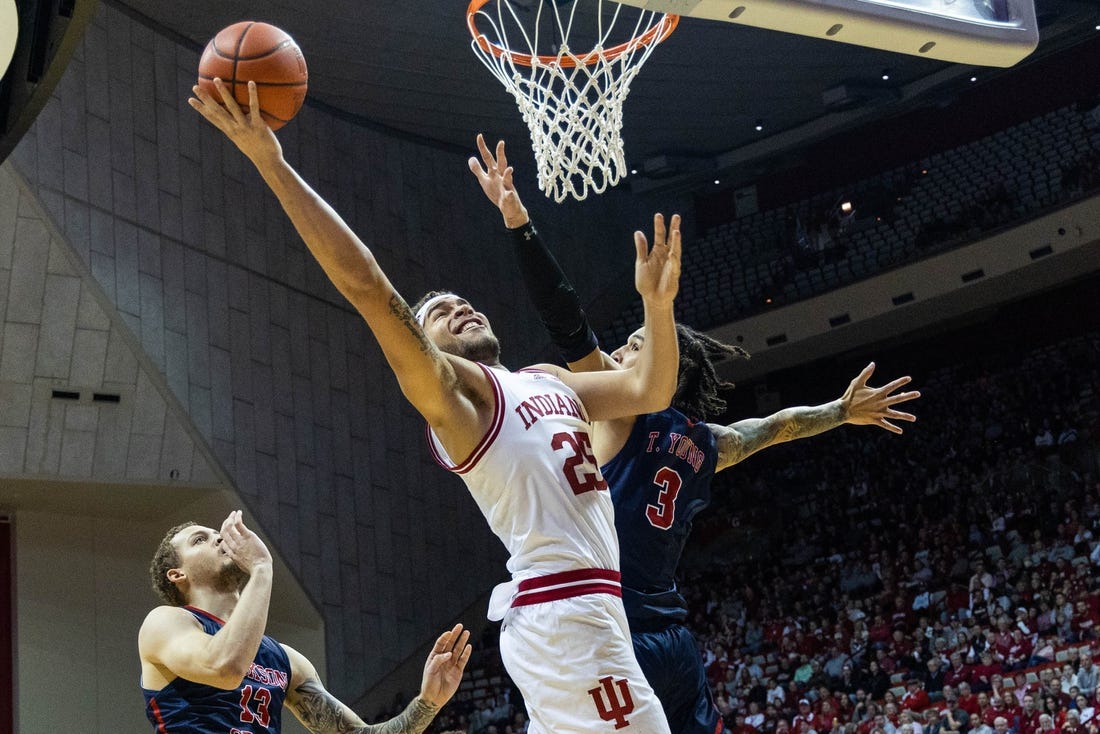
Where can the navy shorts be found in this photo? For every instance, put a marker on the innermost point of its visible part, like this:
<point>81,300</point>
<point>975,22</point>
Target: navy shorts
<point>674,669</point>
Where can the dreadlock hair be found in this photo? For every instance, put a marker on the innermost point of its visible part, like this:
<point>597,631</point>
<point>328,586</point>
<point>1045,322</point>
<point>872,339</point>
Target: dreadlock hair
<point>697,382</point>
<point>164,559</point>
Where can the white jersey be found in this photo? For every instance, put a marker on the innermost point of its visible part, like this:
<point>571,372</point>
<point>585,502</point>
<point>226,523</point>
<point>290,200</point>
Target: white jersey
<point>535,479</point>
<point>565,641</point>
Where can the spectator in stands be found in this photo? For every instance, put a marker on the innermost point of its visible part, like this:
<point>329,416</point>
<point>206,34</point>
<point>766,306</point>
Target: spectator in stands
<point>755,717</point>
<point>1085,710</point>
<point>982,675</point>
<point>1053,708</point>
<point>877,680</point>
<point>933,722</point>
<point>915,697</point>
<point>1072,724</point>
<point>954,721</point>
<point>1029,716</point>
<point>960,672</point>
<point>934,678</point>
<point>1086,675</point>
<point>977,726</point>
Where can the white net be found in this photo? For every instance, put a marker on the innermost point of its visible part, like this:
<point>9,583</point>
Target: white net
<point>572,101</point>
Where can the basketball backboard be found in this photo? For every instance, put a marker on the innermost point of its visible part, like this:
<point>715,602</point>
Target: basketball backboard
<point>983,32</point>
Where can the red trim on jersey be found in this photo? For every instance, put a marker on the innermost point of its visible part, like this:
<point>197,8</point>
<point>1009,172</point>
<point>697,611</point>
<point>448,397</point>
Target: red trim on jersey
<point>156,713</point>
<point>566,585</point>
<point>569,577</point>
<point>486,440</point>
<point>204,613</point>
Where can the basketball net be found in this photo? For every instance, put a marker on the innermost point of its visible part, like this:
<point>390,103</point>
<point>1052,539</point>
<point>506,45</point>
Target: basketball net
<point>571,101</point>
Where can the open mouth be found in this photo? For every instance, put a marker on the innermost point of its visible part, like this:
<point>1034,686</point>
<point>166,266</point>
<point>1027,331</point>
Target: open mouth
<point>470,325</point>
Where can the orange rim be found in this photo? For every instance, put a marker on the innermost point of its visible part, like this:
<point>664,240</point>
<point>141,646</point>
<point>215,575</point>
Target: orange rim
<point>655,34</point>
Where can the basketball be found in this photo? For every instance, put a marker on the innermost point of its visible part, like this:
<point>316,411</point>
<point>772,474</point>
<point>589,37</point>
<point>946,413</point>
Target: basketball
<point>258,52</point>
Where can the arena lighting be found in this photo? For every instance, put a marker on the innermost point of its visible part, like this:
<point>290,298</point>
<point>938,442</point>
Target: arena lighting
<point>846,208</point>
<point>9,32</point>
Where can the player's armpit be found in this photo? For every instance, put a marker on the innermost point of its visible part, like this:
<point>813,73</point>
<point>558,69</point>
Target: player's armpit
<point>321,713</point>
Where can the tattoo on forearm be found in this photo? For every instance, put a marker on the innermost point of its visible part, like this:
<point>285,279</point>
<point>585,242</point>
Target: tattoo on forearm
<point>323,714</point>
<point>401,311</point>
<point>745,438</point>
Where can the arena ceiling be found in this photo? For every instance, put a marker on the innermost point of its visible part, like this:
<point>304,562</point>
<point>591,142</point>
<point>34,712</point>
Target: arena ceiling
<point>408,67</point>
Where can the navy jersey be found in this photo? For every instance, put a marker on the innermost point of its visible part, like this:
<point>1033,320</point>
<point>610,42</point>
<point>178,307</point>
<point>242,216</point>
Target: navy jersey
<point>659,482</point>
<point>254,707</point>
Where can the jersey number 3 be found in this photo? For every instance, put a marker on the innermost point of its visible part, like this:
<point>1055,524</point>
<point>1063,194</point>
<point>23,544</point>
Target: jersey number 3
<point>663,513</point>
<point>579,464</point>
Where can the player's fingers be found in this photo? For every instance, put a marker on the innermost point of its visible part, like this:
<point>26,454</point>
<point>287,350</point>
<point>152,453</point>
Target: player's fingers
<point>865,374</point>
<point>228,100</point>
<point>460,641</point>
<point>889,426</point>
<point>895,384</point>
<point>902,397</point>
<point>508,172</point>
<point>476,169</point>
<point>208,108</point>
<point>486,154</point>
<point>442,642</point>
<point>502,160</point>
<point>464,657</point>
<point>659,232</point>
<point>898,415</point>
<point>641,246</point>
<point>254,104</point>
<point>675,241</point>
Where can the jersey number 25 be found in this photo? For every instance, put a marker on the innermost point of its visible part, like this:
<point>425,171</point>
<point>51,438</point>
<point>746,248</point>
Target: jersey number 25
<point>580,466</point>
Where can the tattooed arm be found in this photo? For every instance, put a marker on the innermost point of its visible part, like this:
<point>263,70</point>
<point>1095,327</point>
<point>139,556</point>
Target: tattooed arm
<point>859,405</point>
<point>321,713</point>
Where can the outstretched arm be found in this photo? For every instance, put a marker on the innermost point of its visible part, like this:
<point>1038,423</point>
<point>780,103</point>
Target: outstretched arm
<point>859,405</point>
<point>433,383</point>
<point>552,294</point>
<point>649,384</point>
<point>321,713</point>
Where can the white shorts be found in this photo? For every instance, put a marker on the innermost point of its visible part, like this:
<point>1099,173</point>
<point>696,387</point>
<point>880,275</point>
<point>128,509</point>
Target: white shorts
<point>574,663</point>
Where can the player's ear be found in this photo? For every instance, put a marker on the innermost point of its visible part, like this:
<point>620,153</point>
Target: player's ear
<point>175,575</point>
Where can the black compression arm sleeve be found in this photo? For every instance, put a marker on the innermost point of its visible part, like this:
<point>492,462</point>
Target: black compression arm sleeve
<point>553,295</point>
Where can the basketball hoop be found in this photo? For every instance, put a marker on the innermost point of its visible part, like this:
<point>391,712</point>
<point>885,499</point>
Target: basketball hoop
<point>572,102</point>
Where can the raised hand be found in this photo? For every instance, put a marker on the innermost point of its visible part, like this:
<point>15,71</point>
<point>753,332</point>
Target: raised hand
<point>874,406</point>
<point>248,131</point>
<point>496,181</point>
<point>444,667</point>
<point>657,270</point>
<point>242,545</point>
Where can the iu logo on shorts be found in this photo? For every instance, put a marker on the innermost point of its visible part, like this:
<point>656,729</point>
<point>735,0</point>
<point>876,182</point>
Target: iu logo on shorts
<point>611,704</point>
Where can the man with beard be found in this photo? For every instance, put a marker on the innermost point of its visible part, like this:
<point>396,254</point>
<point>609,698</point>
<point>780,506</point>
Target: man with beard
<point>519,440</point>
<point>207,667</point>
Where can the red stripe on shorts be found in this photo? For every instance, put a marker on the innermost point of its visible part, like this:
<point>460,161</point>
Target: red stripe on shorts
<point>566,585</point>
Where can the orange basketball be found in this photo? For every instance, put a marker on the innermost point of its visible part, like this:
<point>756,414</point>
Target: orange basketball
<point>261,53</point>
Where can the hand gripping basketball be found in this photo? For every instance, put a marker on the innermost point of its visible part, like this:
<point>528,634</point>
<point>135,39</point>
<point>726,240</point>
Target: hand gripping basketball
<point>248,131</point>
